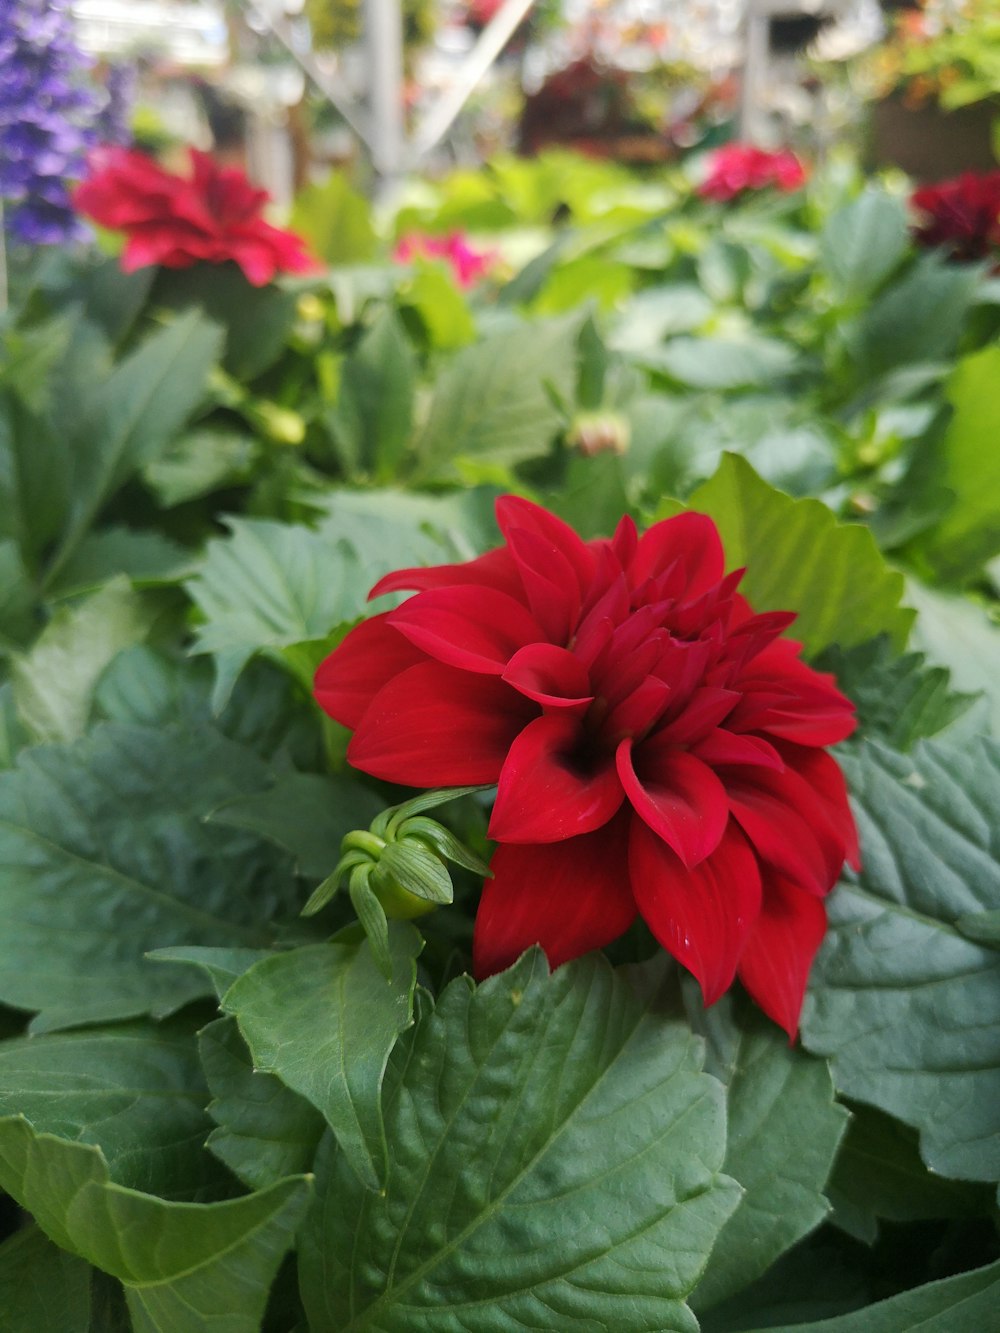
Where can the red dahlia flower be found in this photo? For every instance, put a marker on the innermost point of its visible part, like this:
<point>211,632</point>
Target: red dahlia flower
<point>658,748</point>
<point>962,215</point>
<point>214,215</point>
<point>738,167</point>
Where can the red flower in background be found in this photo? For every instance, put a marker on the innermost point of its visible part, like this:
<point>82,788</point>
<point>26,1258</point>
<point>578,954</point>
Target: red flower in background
<point>962,214</point>
<point>467,264</point>
<point>658,747</point>
<point>214,215</point>
<point>737,167</point>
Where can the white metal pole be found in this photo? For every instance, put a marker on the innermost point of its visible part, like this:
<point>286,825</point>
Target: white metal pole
<point>383,41</point>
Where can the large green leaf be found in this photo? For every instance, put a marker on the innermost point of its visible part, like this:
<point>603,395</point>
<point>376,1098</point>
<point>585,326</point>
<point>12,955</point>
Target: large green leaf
<point>799,558</point>
<point>964,1304</point>
<point>907,1007</point>
<point>42,1288</point>
<point>105,854</point>
<point>17,598</point>
<point>136,1091</point>
<point>200,462</point>
<point>555,1157</point>
<point>864,241</point>
<point>900,699</point>
<point>373,417</point>
<point>969,466</point>
<point>324,1019</point>
<point>130,417</point>
<point>493,402</point>
<point>186,1267</point>
<point>335,220</point>
<point>306,813</point>
<point>959,635</point>
<point>267,586</point>
<point>265,1131</point>
<point>146,557</point>
<point>54,682</point>
<point>723,363</point>
<point>784,1130</point>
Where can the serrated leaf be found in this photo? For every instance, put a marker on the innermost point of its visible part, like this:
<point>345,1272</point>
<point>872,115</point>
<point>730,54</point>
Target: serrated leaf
<point>135,1091</point>
<point>373,417</point>
<point>134,414</point>
<point>306,813</point>
<point>199,463</point>
<point>491,402</point>
<point>878,1174</point>
<point>963,1304</point>
<point>42,1288</point>
<point>969,466</point>
<point>554,1162</point>
<point>784,1131</point>
<point>900,699</point>
<point>54,682</point>
<point>324,1019</point>
<point>864,241</point>
<point>265,1131</point>
<point>908,1009</point>
<point>145,557</point>
<point>185,1266</point>
<point>799,558</point>
<point>105,854</point>
<point>267,585</point>
<point>723,363</point>
<point>221,966</point>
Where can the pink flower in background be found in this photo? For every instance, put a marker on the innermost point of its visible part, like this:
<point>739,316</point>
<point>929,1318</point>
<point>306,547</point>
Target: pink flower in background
<point>215,215</point>
<point>467,264</point>
<point>738,167</point>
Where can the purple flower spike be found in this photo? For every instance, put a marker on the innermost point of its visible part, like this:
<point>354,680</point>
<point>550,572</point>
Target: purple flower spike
<point>47,119</point>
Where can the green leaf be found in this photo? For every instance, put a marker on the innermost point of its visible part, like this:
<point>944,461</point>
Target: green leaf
<point>554,1162</point>
<point>307,814</point>
<point>723,363</point>
<point>109,833</point>
<point>863,242</point>
<point>265,1131</point>
<point>221,966</point>
<point>200,462</point>
<point>783,1135</point>
<point>17,597</point>
<point>185,1266</point>
<point>430,291</point>
<point>900,699</point>
<point>324,1019</point>
<point>335,220</point>
<point>969,466</point>
<point>144,557</point>
<point>799,558</point>
<point>879,1174</point>
<point>963,1304</point>
<point>656,313</point>
<point>906,1007</point>
<point>54,683</point>
<point>373,416</point>
<point>135,1091</point>
<point>492,401</point>
<point>959,635</point>
<point>42,1288</point>
<point>269,585</point>
<point>417,870</point>
<point>134,414</point>
<point>917,319</point>
<point>12,737</point>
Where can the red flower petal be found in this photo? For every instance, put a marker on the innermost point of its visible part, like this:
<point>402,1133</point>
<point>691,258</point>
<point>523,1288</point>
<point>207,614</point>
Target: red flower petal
<point>779,953</point>
<point>550,675</point>
<point>495,569</point>
<point>549,584</point>
<point>721,747</point>
<point>435,726</point>
<point>370,656</point>
<point>569,897</point>
<point>517,515</point>
<point>678,796</point>
<point>545,794</point>
<point>691,538</point>
<point>477,629</point>
<point>703,917</point>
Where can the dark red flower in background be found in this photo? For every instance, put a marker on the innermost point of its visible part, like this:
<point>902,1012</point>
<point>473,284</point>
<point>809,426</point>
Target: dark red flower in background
<point>658,748</point>
<point>962,215</point>
<point>737,167</point>
<point>214,215</point>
